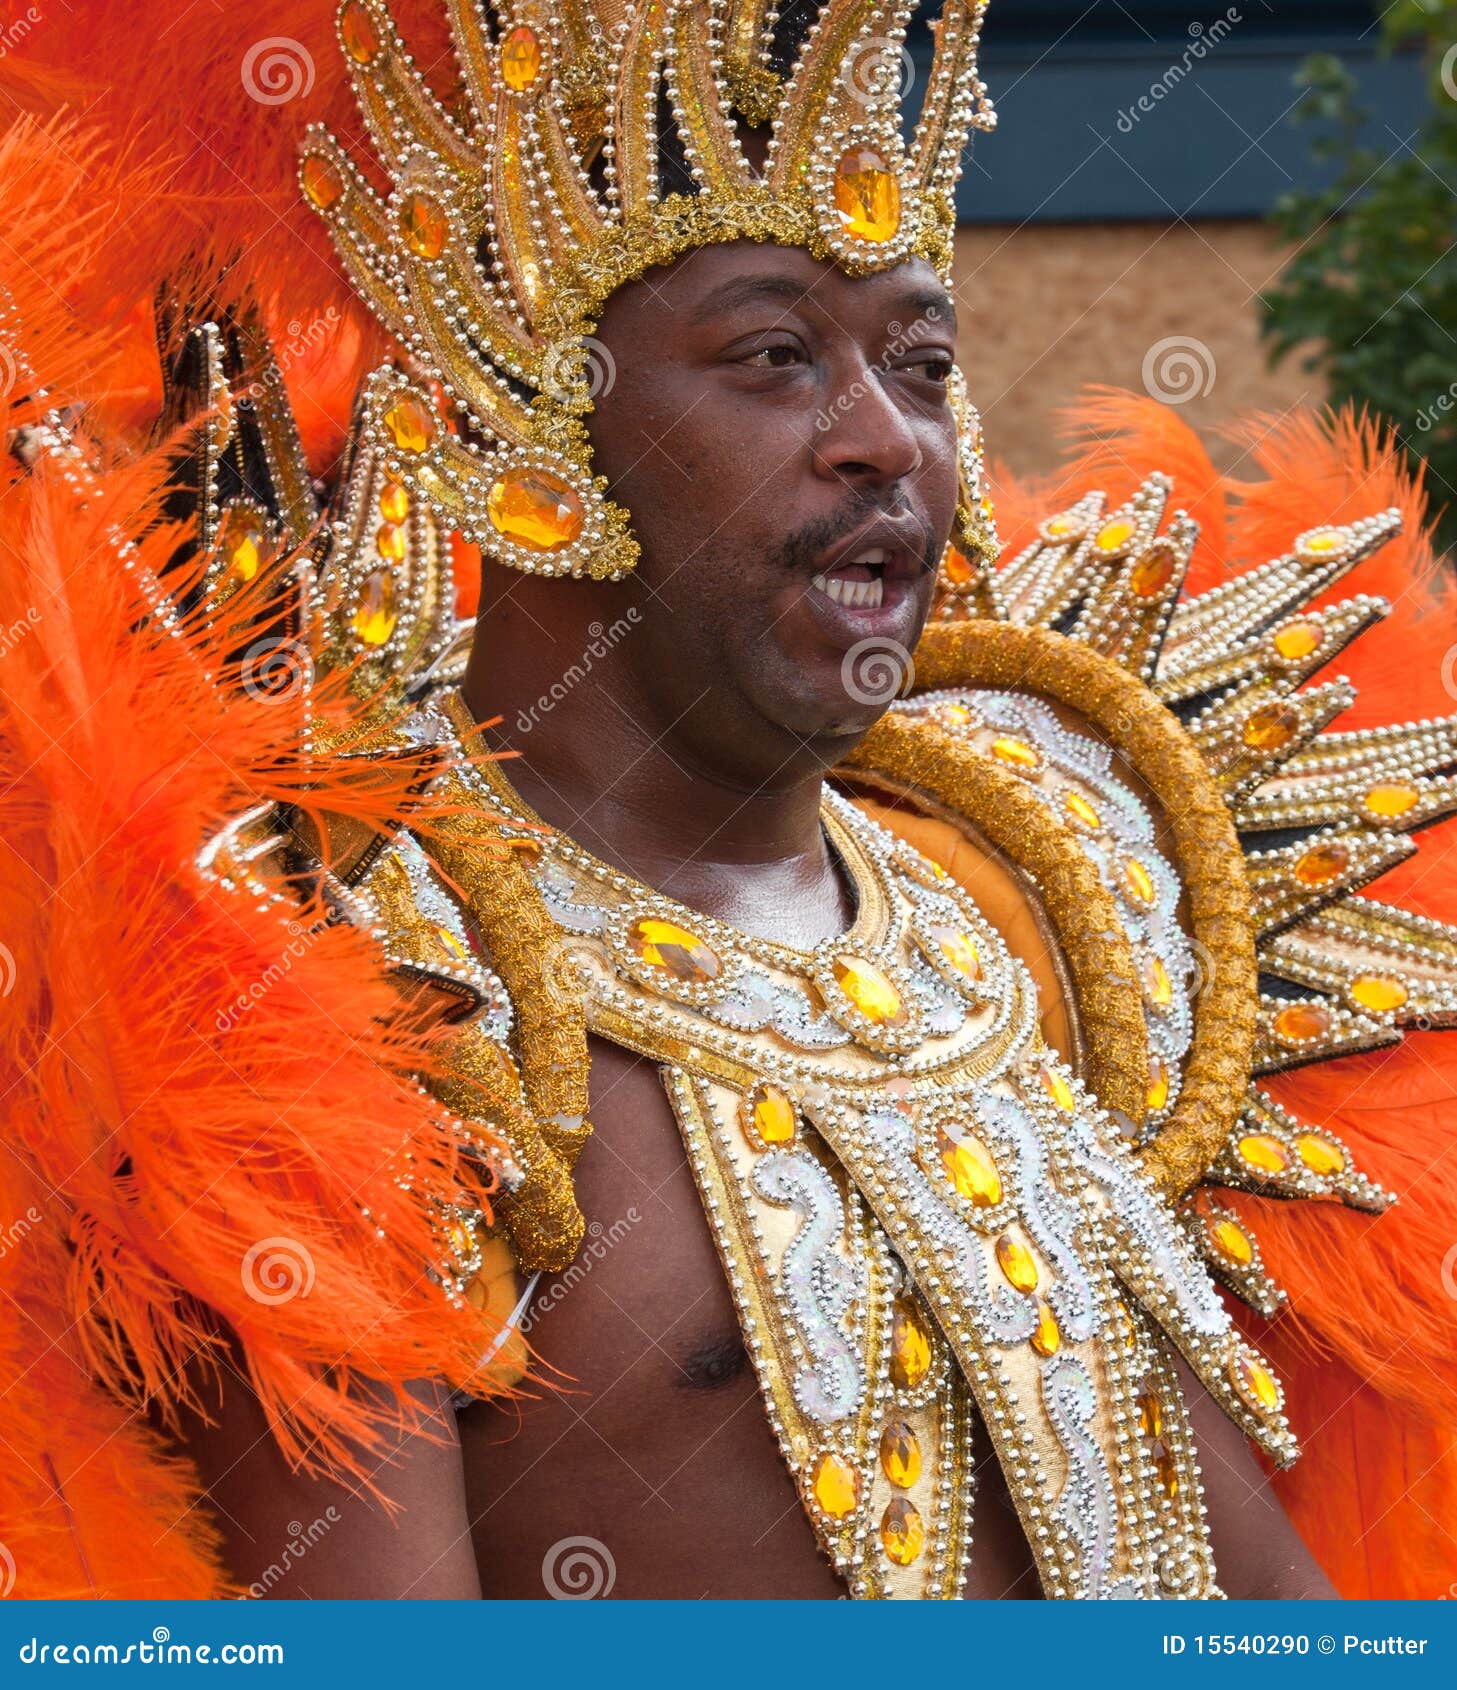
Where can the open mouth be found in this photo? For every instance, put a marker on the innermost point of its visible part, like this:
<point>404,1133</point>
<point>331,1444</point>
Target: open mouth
<point>859,582</point>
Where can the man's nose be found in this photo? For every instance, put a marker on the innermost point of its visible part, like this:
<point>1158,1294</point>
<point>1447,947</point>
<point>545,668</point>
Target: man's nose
<point>864,435</point>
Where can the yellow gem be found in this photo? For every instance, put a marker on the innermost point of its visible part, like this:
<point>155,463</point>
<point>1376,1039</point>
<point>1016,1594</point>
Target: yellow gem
<point>1254,1381</point>
<point>321,181</point>
<point>1138,882</point>
<point>360,37</point>
<point>1152,573</point>
<point>423,225</point>
<point>663,944</point>
<point>1114,536</point>
<point>1378,992</point>
<point>1323,863</point>
<point>1150,1414</point>
<point>1017,1263</point>
<point>970,1170</point>
<point>394,502</point>
<point>836,1486</point>
<point>1016,752</point>
<point>1320,1155</point>
<point>910,1346</point>
<point>1081,810</point>
<point>957,950</point>
<point>902,1531</point>
<point>1271,727</point>
<point>1166,1469</point>
<point>1046,1340</point>
<point>1320,543</point>
<point>870,990</point>
<point>452,944</point>
<point>242,541</point>
<point>769,1115</point>
<point>867,195</point>
<point>1061,529</point>
<point>1298,1022</point>
<point>1230,1240</point>
<point>375,615</point>
<point>520,59</point>
<point>1267,1154</point>
<point>900,1454</point>
<point>957,569</point>
<point>1157,986</point>
<point>1054,1083</point>
<point>1158,1084</point>
<point>409,424</point>
<point>536,509</point>
<point>1390,799</point>
<point>1298,639</point>
<point>957,714</point>
<point>389,541</point>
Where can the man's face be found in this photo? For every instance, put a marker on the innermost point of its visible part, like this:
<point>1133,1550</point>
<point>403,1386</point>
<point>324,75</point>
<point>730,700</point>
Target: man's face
<point>781,434</point>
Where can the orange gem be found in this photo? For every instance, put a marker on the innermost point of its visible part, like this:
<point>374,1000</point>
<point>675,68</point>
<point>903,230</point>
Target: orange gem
<point>359,34</point>
<point>394,502</point>
<point>957,569</point>
<point>242,541</point>
<point>1298,1022</point>
<point>1138,882</point>
<point>1157,987</point>
<point>423,225</point>
<point>1378,993</point>
<point>1054,1083</point>
<point>1267,1154</point>
<point>902,1531</point>
<point>1081,810</point>
<point>1166,1469</point>
<point>520,59</point>
<point>1298,639</point>
<point>867,195</point>
<point>836,1486</point>
<point>1271,727</point>
<point>665,945</point>
<point>1230,1240</point>
<point>535,509</point>
<point>1016,752</point>
<point>1390,799</point>
<point>321,181</point>
<point>1047,1339</point>
<point>957,950</point>
<point>1320,1155</point>
<point>389,541</point>
<point>376,613</point>
<point>1150,1414</point>
<point>1152,573</point>
<point>1060,530</point>
<point>1017,1263</point>
<point>1323,863</point>
<point>900,1454</point>
<point>1158,1084</point>
<point>769,1116</point>
<point>970,1170</point>
<point>1254,1381</point>
<point>870,990</point>
<point>409,423</point>
<point>910,1346</point>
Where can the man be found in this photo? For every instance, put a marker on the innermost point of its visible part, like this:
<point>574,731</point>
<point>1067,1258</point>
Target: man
<point>896,1107</point>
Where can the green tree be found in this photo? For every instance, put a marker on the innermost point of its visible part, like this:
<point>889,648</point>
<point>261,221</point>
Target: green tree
<point>1373,281</point>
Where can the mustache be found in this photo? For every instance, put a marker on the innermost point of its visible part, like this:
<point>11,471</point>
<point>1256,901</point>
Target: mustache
<point>804,545</point>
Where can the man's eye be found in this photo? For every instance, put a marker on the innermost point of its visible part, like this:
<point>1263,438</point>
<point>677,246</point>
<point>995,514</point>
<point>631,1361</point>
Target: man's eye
<point>778,357</point>
<point>937,369</point>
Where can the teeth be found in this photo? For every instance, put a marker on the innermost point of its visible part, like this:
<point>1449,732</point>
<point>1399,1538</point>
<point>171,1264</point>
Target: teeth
<point>876,554</point>
<point>854,595</point>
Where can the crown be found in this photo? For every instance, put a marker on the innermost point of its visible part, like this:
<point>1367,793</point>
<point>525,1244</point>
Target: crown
<point>590,143</point>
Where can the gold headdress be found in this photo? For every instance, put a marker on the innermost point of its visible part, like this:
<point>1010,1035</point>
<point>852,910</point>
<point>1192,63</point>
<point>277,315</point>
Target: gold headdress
<point>596,141</point>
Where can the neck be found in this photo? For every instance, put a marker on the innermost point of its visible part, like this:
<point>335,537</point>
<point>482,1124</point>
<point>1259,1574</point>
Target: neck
<point>749,852</point>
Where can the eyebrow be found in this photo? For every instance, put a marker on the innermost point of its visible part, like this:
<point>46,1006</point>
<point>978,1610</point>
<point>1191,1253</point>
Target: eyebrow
<point>917,301</point>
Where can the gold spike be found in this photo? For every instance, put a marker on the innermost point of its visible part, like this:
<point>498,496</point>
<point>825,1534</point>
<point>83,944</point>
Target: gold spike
<point>1295,1031</point>
<point>1042,582</point>
<point>359,227</point>
<point>1296,880</point>
<point>699,103</point>
<point>1272,1153</point>
<point>1394,966</point>
<point>1228,1245</point>
<point>1126,615</point>
<point>635,120</point>
<point>956,97</point>
<point>753,87</point>
<point>1246,737</point>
